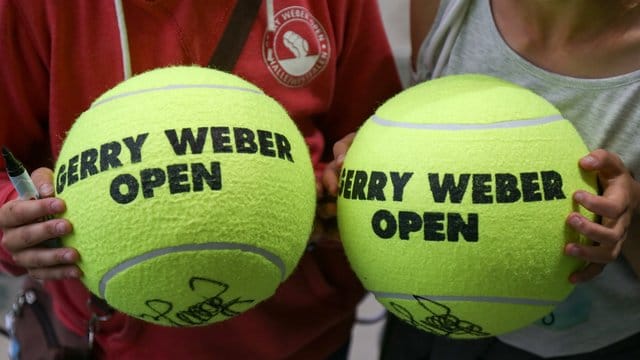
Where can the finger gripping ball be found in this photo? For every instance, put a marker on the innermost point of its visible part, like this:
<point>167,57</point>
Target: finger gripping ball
<point>452,205</point>
<point>191,193</point>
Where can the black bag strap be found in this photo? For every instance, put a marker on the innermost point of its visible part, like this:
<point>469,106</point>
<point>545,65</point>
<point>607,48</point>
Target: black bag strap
<point>235,35</point>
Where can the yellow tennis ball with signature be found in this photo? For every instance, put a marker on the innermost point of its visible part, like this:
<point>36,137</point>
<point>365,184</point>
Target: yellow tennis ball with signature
<point>191,193</point>
<point>453,204</point>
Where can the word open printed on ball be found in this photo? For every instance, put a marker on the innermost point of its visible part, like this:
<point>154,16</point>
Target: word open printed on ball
<point>179,176</point>
<point>483,188</point>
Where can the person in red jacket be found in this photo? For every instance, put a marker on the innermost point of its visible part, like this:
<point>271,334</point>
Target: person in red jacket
<point>327,62</point>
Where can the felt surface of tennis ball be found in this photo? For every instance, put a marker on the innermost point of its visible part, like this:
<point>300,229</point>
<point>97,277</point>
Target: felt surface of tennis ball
<point>453,203</point>
<point>191,195</point>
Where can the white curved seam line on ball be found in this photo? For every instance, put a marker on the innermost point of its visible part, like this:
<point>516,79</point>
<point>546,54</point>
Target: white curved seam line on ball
<point>271,257</point>
<point>509,124</point>
<point>483,299</point>
<point>173,87</point>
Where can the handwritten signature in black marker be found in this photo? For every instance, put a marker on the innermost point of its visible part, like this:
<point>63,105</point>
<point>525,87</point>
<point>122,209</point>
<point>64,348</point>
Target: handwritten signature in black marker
<point>439,319</point>
<point>211,306</point>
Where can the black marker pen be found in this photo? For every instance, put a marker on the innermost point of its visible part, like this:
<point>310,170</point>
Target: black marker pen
<point>23,184</point>
<point>19,177</point>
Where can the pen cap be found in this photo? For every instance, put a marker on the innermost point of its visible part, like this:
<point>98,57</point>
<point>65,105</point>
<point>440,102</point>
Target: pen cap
<point>21,180</point>
<point>13,166</point>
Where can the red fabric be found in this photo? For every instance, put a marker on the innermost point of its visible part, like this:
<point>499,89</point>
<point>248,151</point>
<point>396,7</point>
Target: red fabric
<point>58,56</point>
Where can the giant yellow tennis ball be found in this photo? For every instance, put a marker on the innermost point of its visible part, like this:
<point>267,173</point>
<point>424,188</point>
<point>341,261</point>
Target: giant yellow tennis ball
<point>191,194</point>
<point>452,205</point>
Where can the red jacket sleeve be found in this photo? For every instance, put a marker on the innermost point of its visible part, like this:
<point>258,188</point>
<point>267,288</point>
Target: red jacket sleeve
<point>23,102</point>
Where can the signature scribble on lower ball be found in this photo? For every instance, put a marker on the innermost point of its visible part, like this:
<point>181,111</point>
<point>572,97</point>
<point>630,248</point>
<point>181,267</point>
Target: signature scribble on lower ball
<point>202,312</point>
<point>438,320</point>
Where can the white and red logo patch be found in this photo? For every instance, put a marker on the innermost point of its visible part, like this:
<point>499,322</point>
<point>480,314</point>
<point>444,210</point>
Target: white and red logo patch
<point>298,50</point>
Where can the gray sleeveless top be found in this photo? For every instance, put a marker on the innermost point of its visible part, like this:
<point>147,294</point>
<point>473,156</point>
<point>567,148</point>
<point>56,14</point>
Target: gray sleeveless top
<point>606,112</point>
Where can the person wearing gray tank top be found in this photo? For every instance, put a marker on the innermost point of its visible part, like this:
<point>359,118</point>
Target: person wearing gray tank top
<point>584,57</point>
